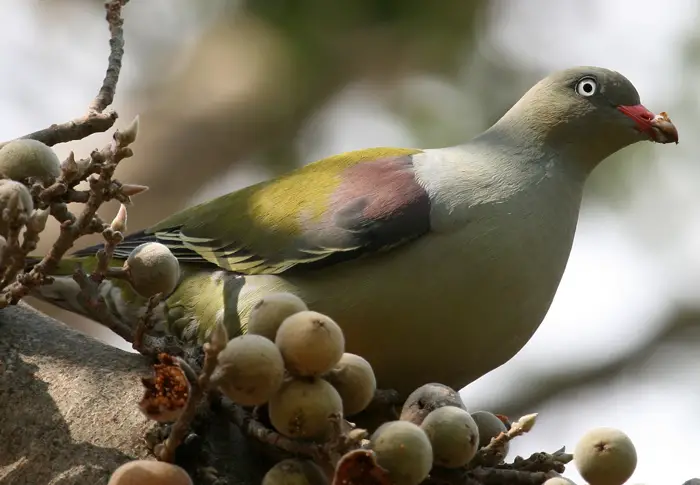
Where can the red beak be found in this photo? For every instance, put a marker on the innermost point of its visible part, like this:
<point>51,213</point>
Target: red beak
<point>659,127</point>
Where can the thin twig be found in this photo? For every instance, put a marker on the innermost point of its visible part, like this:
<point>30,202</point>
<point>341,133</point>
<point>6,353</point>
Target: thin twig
<point>72,228</point>
<point>96,120</point>
<point>255,429</point>
<point>329,453</point>
<point>145,323</point>
<point>13,220</point>
<point>72,130</point>
<point>95,305</point>
<point>34,226</point>
<point>105,96</point>
<point>495,476</point>
<point>113,235</point>
<point>102,162</point>
<point>523,471</point>
<point>494,452</point>
<point>543,462</point>
<point>198,389</point>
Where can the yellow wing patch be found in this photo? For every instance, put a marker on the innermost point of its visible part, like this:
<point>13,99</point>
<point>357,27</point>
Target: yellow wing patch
<point>241,231</point>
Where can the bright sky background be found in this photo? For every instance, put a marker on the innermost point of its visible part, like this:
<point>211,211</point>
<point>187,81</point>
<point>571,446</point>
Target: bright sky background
<point>617,287</point>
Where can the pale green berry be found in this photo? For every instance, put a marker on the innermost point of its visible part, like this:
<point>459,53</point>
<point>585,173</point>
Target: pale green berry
<point>152,269</point>
<point>355,381</point>
<point>311,343</point>
<point>149,472</point>
<point>605,456</point>
<point>453,434</point>
<point>271,310</point>
<point>22,159</point>
<point>404,451</point>
<point>489,427</point>
<point>303,408</point>
<point>249,370</point>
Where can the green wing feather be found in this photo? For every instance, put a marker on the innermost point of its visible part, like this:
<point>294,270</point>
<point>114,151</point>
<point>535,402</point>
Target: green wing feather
<point>272,226</point>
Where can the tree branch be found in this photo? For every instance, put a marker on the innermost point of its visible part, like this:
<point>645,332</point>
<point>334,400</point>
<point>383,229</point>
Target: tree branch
<point>76,129</point>
<point>70,410</point>
<point>105,96</point>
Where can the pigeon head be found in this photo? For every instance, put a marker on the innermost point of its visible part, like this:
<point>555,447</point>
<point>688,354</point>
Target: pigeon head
<point>587,113</point>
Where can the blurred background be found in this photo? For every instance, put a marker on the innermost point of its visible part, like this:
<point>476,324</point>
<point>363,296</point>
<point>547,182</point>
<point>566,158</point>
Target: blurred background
<point>234,92</point>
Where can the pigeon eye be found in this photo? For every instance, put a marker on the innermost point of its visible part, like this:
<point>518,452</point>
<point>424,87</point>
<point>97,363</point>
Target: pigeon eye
<point>587,86</point>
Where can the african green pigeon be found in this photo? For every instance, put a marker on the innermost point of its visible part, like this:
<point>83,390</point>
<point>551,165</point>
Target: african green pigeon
<point>439,264</point>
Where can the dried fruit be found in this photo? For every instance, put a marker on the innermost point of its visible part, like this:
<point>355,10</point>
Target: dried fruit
<point>404,450</point>
<point>354,380</point>
<point>249,370</point>
<point>165,394</point>
<point>311,343</point>
<point>605,456</point>
<point>359,467</point>
<point>270,311</point>
<point>303,408</point>
<point>453,434</point>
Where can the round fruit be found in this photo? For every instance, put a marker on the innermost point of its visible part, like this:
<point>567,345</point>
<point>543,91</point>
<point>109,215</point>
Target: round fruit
<point>249,370</point>
<point>15,197</point>
<point>427,398</point>
<point>295,472</point>
<point>149,472</point>
<point>453,435</point>
<point>21,159</point>
<point>404,451</point>
<point>311,343</point>
<point>354,380</point>
<point>270,311</point>
<point>302,408</point>
<point>489,427</point>
<point>605,456</point>
<point>152,269</point>
<point>558,481</point>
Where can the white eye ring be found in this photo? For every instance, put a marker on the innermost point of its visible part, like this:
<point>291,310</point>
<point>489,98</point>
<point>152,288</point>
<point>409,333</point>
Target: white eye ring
<point>587,86</point>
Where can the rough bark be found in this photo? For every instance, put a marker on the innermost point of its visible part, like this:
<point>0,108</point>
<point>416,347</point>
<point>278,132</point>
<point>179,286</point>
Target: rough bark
<point>69,408</point>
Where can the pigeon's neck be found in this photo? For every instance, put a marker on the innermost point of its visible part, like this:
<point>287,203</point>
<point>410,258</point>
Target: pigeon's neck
<point>537,137</point>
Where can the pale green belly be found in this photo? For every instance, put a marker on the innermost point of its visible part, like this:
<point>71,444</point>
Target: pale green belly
<point>444,308</point>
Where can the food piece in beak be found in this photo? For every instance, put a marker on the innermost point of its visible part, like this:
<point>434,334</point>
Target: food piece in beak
<point>659,127</point>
